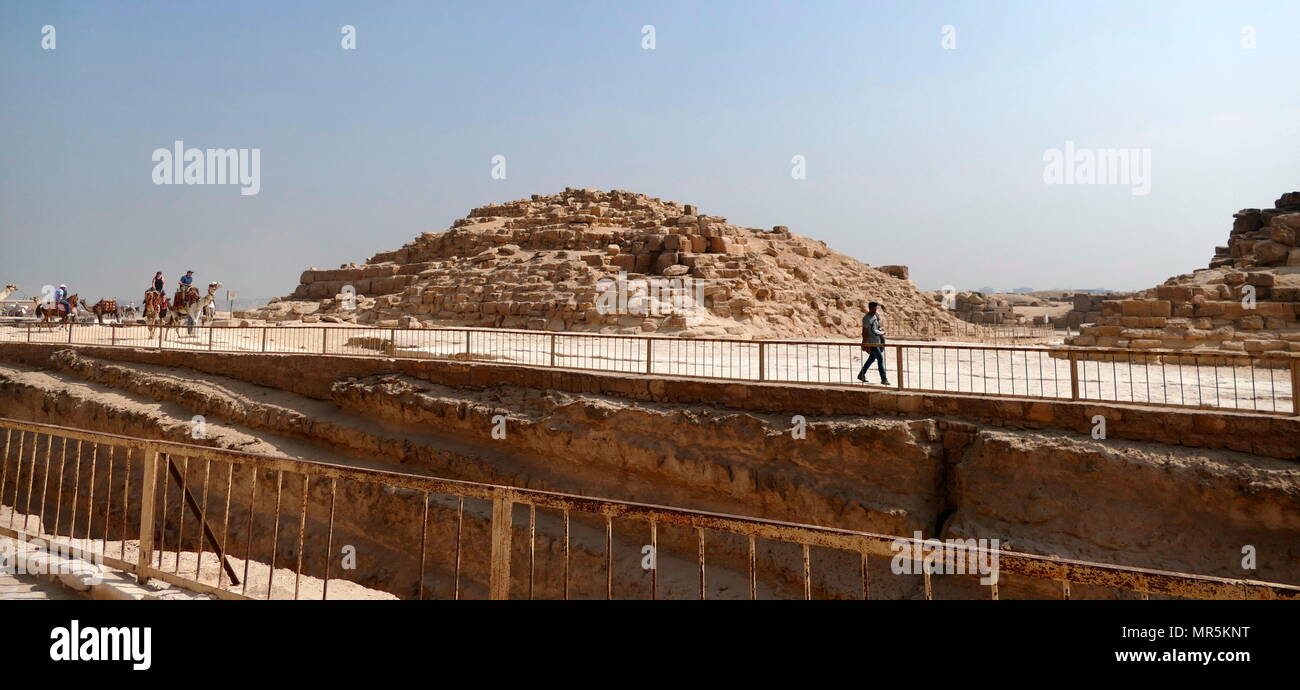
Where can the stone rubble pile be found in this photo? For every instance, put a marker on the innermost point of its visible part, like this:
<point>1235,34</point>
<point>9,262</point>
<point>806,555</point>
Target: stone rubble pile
<point>1087,308</point>
<point>560,263</point>
<point>981,308</point>
<point>1247,300</point>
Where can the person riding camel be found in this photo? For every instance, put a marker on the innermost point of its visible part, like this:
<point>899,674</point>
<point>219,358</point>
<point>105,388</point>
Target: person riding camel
<point>186,293</point>
<point>158,282</point>
<point>61,298</point>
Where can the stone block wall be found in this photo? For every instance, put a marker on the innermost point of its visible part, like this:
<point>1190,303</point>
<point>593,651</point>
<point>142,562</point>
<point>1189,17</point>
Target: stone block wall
<point>1245,301</point>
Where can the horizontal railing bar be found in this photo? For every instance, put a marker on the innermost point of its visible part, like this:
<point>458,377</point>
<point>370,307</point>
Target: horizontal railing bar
<point>119,564</point>
<point>26,537</point>
<point>187,583</point>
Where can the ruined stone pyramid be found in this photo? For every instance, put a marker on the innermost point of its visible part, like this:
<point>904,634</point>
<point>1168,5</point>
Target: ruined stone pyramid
<point>1248,299</point>
<point>611,262</point>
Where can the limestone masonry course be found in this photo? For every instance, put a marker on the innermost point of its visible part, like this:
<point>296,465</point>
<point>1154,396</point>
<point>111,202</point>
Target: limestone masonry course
<point>1247,300</point>
<point>543,263</point>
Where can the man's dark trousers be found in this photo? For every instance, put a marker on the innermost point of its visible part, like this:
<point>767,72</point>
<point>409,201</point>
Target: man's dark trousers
<point>878,356</point>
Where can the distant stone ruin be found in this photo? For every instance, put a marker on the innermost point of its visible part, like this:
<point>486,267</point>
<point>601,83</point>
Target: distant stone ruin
<point>1247,300</point>
<point>981,308</point>
<point>609,262</point>
<point>1087,308</point>
<point>990,309</point>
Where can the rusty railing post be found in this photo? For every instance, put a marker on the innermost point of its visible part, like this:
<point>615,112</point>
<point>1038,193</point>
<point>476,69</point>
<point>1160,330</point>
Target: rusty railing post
<point>71,325</point>
<point>762,361</point>
<point>898,365</point>
<point>1295,385</point>
<point>144,559</point>
<point>324,339</point>
<point>264,329</point>
<point>162,329</point>
<point>1074,376</point>
<point>552,349</point>
<point>467,332</point>
<point>29,333</point>
<point>649,354</point>
<point>113,331</point>
<point>502,525</point>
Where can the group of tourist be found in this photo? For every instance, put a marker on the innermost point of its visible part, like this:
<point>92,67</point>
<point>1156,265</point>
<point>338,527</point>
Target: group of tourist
<point>158,284</point>
<point>185,294</point>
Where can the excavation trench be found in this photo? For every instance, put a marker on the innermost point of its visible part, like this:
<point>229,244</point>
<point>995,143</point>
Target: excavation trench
<point>1049,492</point>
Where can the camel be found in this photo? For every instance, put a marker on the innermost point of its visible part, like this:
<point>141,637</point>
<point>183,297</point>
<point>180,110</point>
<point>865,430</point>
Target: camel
<point>4,294</point>
<point>105,306</point>
<point>49,313</point>
<point>155,310</point>
<point>189,311</point>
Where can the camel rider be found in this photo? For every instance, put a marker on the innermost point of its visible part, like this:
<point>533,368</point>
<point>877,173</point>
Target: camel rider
<point>61,297</point>
<point>183,296</point>
<point>158,283</point>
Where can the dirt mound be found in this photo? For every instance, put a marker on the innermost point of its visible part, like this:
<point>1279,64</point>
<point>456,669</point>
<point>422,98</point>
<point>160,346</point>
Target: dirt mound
<point>610,262</point>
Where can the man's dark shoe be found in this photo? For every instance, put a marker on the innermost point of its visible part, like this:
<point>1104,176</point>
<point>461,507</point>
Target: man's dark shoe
<point>884,382</point>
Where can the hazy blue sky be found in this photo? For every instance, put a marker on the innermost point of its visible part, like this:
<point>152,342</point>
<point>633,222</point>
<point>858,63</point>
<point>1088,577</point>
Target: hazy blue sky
<point>915,154</point>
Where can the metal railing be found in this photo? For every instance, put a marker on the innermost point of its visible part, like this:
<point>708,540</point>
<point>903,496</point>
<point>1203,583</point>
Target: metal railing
<point>427,537</point>
<point>1259,382</point>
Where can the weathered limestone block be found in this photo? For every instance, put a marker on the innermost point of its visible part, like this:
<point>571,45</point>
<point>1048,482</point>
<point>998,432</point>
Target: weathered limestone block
<point>1270,252</point>
<point>895,270</point>
<point>664,260</point>
<point>1281,233</point>
<point>644,262</point>
<point>1264,345</point>
<point>1135,308</point>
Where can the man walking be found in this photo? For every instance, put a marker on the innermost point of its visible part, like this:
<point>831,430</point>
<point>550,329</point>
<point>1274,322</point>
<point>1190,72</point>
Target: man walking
<point>873,337</point>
